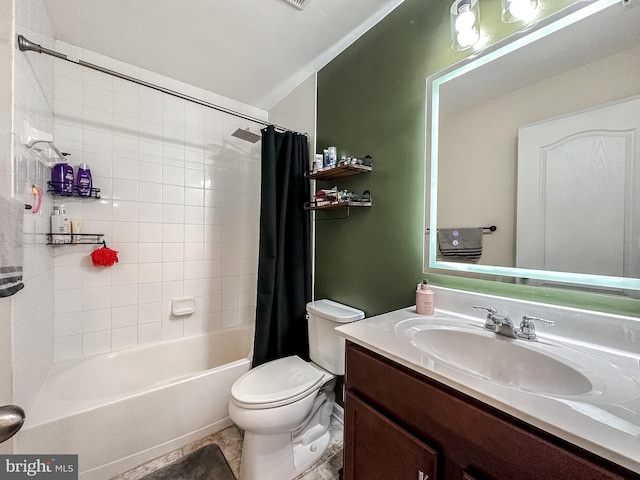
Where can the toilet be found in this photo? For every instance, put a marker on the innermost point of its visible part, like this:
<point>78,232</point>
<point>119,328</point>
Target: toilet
<point>284,406</point>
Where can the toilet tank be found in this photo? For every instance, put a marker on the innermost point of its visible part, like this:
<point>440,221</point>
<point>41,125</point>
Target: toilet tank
<point>326,349</point>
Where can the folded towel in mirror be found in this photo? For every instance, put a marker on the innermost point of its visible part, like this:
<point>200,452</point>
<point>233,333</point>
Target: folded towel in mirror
<point>461,242</point>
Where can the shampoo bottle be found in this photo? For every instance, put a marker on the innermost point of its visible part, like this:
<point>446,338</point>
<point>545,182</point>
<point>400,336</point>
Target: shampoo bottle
<point>62,179</point>
<point>83,180</point>
<point>60,226</point>
<point>424,299</point>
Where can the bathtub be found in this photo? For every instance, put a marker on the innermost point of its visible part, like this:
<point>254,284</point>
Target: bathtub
<point>121,409</point>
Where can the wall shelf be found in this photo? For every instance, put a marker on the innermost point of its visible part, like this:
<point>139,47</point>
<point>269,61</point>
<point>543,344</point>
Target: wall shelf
<point>336,201</point>
<point>338,172</point>
<point>95,192</point>
<point>75,238</point>
<point>335,206</point>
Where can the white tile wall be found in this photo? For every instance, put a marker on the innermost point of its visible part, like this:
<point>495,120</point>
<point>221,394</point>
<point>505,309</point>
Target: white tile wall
<point>180,203</point>
<point>32,325</point>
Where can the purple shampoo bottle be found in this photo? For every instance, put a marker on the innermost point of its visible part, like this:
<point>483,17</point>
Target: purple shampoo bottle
<point>83,180</point>
<point>62,179</point>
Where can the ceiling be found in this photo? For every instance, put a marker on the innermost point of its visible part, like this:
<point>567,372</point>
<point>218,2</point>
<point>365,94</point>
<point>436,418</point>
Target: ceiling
<point>254,51</point>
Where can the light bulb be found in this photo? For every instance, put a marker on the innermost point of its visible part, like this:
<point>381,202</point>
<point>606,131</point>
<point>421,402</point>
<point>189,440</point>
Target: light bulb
<point>467,37</point>
<point>466,18</point>
<point>522,9</point>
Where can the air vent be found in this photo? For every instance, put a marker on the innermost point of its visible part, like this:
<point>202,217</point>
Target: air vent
<point>298,3</point>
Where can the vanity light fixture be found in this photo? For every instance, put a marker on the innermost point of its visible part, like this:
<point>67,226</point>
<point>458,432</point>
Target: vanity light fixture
<point>519,10</point>
<point>465,24</point>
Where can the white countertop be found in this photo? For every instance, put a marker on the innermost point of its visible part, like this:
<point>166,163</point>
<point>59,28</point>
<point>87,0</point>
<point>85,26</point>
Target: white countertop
<point>607,425</point>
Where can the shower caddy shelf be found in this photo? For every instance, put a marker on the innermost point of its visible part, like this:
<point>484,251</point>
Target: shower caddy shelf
<point>76,239</point>
<point>95,192</point>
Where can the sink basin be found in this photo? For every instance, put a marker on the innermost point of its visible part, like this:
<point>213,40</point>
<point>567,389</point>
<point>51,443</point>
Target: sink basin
<point>503,361</point>
<point>543,367</point>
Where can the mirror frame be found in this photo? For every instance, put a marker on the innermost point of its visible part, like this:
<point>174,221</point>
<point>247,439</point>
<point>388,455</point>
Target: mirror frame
<point>565,17</point>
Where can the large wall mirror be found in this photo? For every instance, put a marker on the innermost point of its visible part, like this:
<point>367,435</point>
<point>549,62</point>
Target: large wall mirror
<point>539,136</point>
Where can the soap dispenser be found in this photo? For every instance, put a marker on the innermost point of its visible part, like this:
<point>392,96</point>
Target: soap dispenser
<point>424,299</point>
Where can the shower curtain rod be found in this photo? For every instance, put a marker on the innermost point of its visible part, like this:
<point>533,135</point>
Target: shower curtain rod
<point>26,45</point>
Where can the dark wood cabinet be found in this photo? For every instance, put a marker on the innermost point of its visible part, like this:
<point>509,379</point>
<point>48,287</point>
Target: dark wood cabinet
<point>399,423</point>
<point>379,449</point>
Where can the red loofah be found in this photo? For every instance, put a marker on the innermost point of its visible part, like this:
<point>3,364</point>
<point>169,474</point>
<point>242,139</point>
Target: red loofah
<point>104,257</point>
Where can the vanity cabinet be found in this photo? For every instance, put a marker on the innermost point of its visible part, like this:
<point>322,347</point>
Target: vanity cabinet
<point>399,423</point>
<point>381,449</point>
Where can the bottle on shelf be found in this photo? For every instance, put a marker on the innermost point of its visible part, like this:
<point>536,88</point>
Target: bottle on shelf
<point>83,180</point>
<point>60,225</point>
<point>62,179</point>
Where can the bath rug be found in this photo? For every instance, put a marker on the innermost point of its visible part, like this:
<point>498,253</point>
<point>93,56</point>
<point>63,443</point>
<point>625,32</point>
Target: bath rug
<point>206,463</point>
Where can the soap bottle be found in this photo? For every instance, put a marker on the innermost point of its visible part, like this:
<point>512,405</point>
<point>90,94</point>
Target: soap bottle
<point>424,298</point>
<point>333,156</point>
<point>60,225</point>
<point>83,180</point>
<point>62,179</point>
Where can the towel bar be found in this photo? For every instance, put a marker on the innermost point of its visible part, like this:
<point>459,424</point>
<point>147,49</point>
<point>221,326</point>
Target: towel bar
<point>490,229</point>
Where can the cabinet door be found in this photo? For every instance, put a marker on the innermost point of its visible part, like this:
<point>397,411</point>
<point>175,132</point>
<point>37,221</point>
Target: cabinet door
<point>467,476</point>
<point>378,449</point>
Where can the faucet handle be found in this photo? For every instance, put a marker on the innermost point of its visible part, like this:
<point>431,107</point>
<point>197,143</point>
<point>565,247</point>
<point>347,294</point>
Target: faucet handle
<point>491,311</point>
<point>528,320</point>
<point>528,328</point>
<point>490,322</point>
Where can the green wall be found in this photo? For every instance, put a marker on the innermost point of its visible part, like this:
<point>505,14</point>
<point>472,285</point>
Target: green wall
<point>371,100</point>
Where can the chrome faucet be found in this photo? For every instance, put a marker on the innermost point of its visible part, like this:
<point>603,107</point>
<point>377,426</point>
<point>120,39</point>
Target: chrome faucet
<point>503,325</point>
<point>528,328</point>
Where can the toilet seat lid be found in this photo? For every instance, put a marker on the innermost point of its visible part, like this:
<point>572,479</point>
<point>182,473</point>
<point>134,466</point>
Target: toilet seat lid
<point>276,381</point>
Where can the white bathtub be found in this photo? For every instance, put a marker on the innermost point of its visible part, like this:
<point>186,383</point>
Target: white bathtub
<point>121,409</point>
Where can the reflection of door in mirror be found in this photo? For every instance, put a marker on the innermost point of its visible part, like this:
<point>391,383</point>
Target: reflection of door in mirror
<point>587,162</point>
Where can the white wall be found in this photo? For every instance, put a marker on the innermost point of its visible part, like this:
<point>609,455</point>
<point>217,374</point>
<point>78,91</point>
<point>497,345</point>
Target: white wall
<point>298,112</point>
<point>180,203</point>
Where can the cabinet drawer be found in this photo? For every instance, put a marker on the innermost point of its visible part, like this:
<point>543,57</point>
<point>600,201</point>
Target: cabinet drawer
<point>377,449</point>
<point>473,435</point>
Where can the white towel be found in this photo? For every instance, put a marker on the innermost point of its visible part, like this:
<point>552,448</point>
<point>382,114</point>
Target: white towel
<point>11,246</point>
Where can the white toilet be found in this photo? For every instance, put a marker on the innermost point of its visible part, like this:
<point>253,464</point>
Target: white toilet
<point>284,406</point>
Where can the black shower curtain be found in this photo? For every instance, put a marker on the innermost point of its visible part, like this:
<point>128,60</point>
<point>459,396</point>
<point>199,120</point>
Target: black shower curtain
<point>284,266</point>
